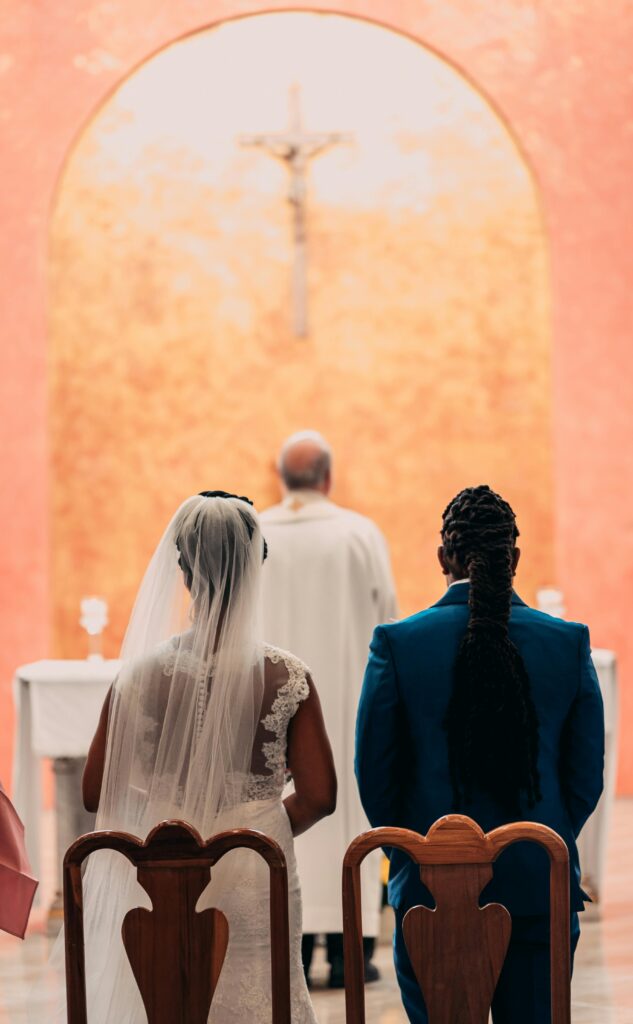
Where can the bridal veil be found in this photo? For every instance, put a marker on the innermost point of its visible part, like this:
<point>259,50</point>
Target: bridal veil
<point>184,712</point>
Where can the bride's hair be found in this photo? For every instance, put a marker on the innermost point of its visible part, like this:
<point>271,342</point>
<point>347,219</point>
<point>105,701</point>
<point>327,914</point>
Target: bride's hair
<point>491,722</point>
<point>210,530</point>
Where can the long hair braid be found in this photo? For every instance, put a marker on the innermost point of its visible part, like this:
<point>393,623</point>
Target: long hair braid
<point>491,722</point>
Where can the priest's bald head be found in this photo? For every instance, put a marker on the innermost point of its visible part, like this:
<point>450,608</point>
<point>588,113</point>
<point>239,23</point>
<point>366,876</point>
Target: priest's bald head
<point>305,462</point>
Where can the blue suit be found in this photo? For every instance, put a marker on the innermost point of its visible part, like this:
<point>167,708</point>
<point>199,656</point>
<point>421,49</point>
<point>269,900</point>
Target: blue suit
<point>403,773</point>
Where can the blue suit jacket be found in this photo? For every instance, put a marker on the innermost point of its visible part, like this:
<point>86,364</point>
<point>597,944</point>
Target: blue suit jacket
<point>402,756</point>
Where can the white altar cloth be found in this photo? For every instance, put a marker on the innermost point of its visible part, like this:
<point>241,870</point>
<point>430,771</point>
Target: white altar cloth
<point>58,705</point>
<point>592,842</point>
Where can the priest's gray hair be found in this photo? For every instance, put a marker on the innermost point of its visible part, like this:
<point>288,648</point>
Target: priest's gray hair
<point>315,468</point>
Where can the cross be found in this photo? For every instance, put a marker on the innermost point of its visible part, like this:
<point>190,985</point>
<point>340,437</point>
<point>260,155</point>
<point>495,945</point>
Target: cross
<point>296,147</point>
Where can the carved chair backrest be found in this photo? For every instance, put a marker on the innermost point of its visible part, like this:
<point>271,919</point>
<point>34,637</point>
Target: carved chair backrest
<point>176,954</point>
<point>457,951</point>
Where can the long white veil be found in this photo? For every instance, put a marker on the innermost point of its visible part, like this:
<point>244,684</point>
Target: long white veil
<point>186,705</point>
<point>183,716</point>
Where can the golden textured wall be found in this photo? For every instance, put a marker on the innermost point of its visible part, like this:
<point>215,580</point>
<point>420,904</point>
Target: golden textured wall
<point>173,365</point>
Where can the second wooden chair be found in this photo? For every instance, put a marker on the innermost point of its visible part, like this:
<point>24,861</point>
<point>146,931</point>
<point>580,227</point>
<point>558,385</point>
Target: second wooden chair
<point>457,951</point>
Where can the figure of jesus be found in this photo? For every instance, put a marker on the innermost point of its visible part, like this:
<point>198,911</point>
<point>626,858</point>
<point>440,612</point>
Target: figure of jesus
<point>296,148</point>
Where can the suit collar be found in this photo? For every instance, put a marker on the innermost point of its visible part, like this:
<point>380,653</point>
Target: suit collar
<point>458,594</point>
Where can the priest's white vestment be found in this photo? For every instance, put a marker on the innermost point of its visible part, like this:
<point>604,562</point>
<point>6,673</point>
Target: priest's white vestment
<point>327,583</point>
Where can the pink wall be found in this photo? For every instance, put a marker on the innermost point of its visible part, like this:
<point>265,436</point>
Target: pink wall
<point>560,75</point>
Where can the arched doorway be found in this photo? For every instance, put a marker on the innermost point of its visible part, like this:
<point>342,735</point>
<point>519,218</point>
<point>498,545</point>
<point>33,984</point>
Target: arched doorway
<point>174,365</point>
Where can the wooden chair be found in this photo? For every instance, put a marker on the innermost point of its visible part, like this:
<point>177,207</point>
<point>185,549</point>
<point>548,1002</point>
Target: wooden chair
<point>457,950</point>
<point>176,954</point>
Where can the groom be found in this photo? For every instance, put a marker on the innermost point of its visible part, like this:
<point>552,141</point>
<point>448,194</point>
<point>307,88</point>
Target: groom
<point>419,686</point>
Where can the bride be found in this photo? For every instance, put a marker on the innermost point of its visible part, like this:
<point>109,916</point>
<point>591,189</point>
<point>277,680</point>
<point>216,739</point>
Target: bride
<point>204,723</point>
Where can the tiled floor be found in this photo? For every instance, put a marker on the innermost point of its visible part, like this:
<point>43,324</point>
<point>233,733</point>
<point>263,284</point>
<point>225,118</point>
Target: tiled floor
<point>602,989</point>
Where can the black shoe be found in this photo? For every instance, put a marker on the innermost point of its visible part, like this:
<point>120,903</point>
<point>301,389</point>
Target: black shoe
<point>307,950</point>
<point>337,974</point>
<point>371,972</point>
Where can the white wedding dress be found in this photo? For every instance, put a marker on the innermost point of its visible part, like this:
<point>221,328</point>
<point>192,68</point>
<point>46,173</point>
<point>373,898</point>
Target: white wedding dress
<point>243,993</point>
<point>239,884</point>
<point>198,729</point>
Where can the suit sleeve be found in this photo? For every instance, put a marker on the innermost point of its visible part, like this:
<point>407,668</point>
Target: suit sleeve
<point>582,753</point>
<point>378,736</point>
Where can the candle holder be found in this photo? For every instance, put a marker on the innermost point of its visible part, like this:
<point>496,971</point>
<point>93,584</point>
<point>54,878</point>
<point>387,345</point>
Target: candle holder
<point>94,619</point>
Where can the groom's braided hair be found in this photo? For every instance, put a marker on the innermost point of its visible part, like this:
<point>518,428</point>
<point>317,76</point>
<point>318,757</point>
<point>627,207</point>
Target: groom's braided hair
<point>491,722</point>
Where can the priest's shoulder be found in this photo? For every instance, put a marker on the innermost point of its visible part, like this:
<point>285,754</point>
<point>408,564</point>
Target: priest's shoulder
<point>359,523</point>
<point>272,512</point>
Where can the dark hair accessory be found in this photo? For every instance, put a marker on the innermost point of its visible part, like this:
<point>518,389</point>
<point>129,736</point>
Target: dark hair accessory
<point>240,497</point>
<point>225,494</point>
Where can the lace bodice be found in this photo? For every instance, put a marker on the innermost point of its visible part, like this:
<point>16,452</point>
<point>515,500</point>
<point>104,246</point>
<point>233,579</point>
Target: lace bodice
<point>284,692</point>
<point>285,687</point>
<point>240,883</point>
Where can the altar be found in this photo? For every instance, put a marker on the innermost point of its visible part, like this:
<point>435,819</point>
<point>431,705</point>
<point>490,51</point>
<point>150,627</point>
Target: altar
<point>593,840</point>
<point>58,706</point>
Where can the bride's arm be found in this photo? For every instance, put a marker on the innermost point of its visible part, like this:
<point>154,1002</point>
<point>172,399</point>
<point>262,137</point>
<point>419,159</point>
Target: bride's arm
<point>312,765</point>
<point>93,772</point>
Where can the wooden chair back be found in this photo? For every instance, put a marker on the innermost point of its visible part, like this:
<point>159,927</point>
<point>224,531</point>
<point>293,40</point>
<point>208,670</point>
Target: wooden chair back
<point>457,950</point>
<point>176,954</point>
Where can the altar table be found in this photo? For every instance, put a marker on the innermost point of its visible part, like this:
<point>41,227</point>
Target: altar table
<point>592,843</point>
<point>58,705</point>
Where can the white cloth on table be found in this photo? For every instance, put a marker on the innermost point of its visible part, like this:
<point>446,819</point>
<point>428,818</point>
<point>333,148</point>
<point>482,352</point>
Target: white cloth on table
<point>326,584</point>
<point>58,704</point>
<point>592,842</point>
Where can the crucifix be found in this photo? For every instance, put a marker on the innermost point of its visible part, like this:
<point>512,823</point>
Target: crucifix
<point>295,147</point>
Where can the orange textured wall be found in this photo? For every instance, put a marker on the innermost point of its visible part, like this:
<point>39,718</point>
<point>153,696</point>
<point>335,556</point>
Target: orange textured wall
<point>559,75</point>
<point>174,366</point>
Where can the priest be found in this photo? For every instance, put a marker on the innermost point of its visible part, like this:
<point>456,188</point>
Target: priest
<point>327,583</point>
